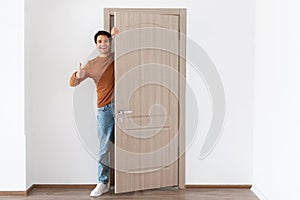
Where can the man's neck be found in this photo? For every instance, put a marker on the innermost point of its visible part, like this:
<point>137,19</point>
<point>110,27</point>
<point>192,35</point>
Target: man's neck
<point>104,55</point>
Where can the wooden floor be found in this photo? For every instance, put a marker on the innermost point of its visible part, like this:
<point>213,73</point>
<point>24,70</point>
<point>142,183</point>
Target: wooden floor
<point>166,193</point>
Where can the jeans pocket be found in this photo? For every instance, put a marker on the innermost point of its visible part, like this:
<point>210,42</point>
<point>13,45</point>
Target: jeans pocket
<point>102,109</point>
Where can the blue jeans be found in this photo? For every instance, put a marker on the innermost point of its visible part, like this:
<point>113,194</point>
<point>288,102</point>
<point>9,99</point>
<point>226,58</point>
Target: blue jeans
<point>106,122</point>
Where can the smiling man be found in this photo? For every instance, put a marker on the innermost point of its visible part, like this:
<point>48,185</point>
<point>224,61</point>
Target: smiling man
<point>101,70</point>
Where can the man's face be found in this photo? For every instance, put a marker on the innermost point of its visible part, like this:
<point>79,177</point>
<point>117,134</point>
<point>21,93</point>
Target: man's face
<point>103,44</point>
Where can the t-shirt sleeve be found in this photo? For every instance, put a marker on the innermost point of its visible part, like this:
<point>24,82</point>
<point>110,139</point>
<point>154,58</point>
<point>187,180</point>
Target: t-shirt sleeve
<point>74,81</point>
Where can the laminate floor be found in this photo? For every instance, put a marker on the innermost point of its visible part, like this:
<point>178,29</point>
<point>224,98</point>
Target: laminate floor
<point>166,193</point>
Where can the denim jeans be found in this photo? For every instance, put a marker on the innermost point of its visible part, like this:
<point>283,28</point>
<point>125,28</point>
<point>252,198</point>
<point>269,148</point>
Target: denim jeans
<point>106,122</point>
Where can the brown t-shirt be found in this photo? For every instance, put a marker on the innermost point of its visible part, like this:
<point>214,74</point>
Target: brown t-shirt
<point>101,70</point>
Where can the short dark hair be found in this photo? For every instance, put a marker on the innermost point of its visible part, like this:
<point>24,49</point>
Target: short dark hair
<point>102,33</point>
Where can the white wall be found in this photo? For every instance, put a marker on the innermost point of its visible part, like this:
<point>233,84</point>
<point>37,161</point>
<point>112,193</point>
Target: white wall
<point>12,137</point>
<point>276,129</point>
<point>59,35</point>
<point>226,33</point>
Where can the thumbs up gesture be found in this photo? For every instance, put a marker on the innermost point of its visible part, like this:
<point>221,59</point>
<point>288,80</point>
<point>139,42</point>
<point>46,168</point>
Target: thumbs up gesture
<point>80,72</point>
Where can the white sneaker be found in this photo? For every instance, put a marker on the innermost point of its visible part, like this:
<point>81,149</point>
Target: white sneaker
<point>100,189</point>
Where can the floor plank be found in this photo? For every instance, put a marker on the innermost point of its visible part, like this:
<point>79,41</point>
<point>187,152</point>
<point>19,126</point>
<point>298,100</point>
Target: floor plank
<point>166,193</point>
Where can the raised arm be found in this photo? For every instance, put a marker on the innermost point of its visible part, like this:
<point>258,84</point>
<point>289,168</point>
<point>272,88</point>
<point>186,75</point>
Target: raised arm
<point>80,75</point>
<point>114,31</point>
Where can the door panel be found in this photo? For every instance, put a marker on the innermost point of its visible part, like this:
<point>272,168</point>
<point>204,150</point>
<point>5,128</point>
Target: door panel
<point>146,101</point>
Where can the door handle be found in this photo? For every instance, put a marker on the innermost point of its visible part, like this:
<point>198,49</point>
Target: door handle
<point>121,112</point>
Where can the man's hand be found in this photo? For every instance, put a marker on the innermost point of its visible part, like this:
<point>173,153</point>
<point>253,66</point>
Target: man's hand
<point>114,31</point>
<point>80,72</point>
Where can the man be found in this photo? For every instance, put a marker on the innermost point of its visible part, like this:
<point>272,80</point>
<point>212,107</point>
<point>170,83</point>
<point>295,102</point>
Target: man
<point>101,70</point>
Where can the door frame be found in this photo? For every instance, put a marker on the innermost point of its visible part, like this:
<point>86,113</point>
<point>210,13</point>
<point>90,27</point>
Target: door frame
<point>181,13</point>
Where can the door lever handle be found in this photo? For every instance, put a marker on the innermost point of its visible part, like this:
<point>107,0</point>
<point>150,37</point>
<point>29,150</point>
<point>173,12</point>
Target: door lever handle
<point>121,112</point>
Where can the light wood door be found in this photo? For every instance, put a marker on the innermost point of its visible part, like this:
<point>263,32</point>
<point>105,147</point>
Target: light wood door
<point>146,101</point>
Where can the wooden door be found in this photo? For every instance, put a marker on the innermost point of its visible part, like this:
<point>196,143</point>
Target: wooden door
<point>146,101</point>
